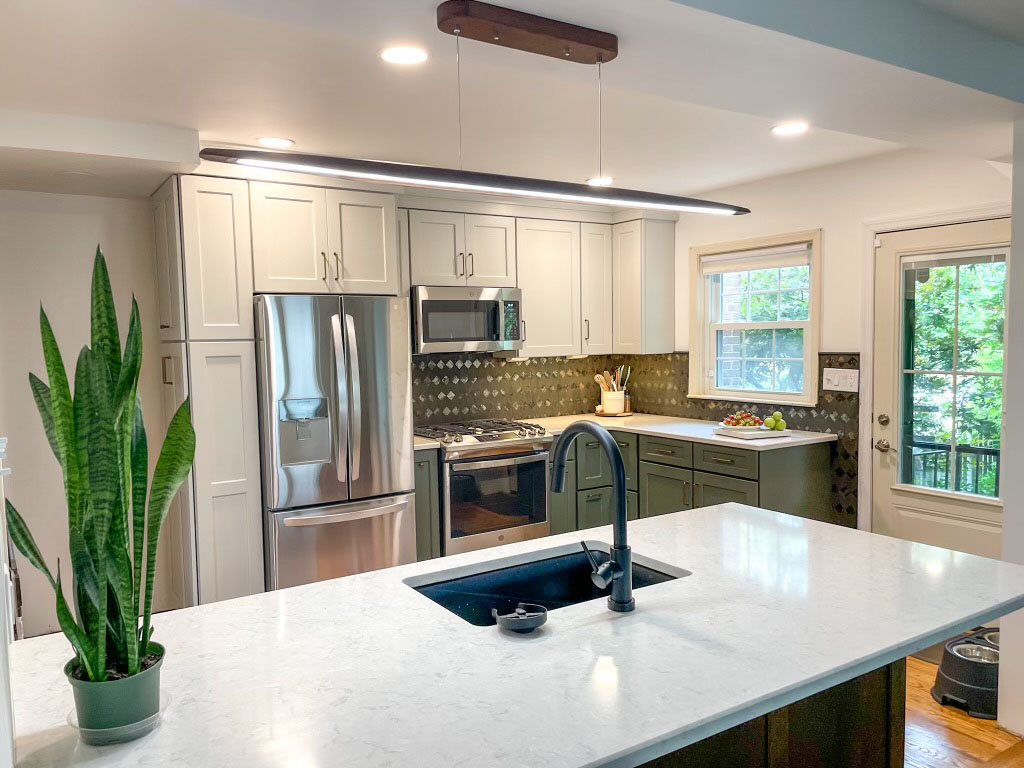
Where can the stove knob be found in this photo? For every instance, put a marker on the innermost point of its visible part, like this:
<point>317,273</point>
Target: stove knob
<point>447,440</point>
<point>458,438</point>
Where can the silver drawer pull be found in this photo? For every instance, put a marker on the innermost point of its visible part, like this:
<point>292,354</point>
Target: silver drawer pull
<point>593,497</point>
<point>722,460</point>
<point>623,445</point>
<point>593,445</point>
<point>664,452</point>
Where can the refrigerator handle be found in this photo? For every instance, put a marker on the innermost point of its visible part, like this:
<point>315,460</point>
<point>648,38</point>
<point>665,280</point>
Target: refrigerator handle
<point>344,517</point>
<point>341,381</point>
<point>356,401</point>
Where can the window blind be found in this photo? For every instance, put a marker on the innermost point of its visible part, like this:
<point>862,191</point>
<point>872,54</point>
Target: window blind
<point>794,255</point>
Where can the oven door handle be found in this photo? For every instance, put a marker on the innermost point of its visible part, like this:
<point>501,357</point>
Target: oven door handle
<point>509,462</point>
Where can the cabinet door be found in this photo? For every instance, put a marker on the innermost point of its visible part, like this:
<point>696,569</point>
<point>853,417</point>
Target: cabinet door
<point>437,248</point>
<point>627,443</point>
<point>362,239</point>
<point>289,239</point>
<point>664,489</point>
<point>229,524</point>
<point>596,288</point>
<point>548,257</point>
<point>709,489</point>
<point>562,506</point>
<point>491,251</point>
<point>217,252</point>
<point>180,523</point>
<point>428,513</point>
<point>169,299</point>
<point>592,470</point>
<point>627,288</point>
<point>597,506</point>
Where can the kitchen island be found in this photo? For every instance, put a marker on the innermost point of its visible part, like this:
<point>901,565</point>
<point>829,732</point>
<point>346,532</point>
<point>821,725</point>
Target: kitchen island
<point>365,671</point>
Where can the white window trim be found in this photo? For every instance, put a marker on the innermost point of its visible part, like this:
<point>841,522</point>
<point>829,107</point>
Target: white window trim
<point>701,329</point>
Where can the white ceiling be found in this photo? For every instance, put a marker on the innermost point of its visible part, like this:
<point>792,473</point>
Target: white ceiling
<point>688,103</point>
<point>1004,18</point>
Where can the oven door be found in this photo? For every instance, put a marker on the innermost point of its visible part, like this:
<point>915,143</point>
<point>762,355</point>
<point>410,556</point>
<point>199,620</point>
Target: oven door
<point>467,319</point>
<point>495,501</point>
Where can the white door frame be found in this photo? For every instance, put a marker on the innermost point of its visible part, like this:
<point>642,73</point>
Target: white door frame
<point>872,228</point>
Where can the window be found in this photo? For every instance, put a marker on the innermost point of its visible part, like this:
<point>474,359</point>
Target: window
<point>754,325</point>
<point>952,377</point>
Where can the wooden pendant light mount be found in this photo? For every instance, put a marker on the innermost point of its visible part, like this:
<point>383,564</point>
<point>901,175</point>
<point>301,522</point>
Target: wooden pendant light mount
<point>526,32</point>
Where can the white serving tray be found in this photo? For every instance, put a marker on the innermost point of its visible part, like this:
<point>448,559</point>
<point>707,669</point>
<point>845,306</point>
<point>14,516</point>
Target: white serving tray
<point>751,433</point>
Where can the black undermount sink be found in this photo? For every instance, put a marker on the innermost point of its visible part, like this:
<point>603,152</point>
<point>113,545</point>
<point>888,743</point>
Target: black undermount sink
<point>553,578</point>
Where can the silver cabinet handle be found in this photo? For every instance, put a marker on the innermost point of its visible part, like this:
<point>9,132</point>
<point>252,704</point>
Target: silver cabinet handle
<point>593,497</point>
<point>337,267</point>
<point>356,400</point>
<point>663,452</point>
<point>882,446</point>
<point>523,336</point>
<point>323,255</point>
<point>472,263</point>
<point>587,337</point>
<point>696,495</point>
<point>342,517</point>
<point>167,370</point>
<point>460,271</point>
<point>722,460</point>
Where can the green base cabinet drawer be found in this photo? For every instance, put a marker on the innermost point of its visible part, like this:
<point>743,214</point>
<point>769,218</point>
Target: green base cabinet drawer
<point>664,489</point>
<point>678,453</point>
<point>725,461</point>
<point>594,507</point>
<point>428,507</point>
<point>592,468</point>
<point>711,489</point>
<point>562,506</point>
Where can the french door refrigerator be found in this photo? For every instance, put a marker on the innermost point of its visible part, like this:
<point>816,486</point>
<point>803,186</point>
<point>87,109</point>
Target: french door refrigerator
<point>336,435</point>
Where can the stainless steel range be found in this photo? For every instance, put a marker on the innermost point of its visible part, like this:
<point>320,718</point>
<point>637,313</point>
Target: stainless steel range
<point>495,482</point>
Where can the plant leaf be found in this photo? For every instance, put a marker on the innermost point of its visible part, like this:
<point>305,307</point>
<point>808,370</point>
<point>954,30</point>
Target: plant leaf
<point>84,570</point>
<point>84,647</point>
<point>119,575</point>
<point>128,378</point>
<point>104,469</point>
<point>41,394</point>
<point>104,336</point>
<point>176,456</point>
<point>82,415</point>
<point>61,409</point>
<point>140,472</point>
<point>22,538</point>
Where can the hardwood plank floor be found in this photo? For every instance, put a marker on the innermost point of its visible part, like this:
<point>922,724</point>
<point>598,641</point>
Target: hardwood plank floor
<point>945,737</point>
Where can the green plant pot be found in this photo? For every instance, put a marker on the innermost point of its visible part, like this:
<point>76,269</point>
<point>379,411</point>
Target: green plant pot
<point>118,710</point>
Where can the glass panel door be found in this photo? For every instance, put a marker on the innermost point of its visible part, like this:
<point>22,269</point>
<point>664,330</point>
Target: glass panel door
<point>951,392</point>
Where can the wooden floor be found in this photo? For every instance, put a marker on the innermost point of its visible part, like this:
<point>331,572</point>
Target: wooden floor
<point>945,737</point>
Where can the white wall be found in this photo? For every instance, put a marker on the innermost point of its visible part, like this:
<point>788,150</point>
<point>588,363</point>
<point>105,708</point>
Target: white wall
<point>47,244</point>
<point>838,199</point>
<point>1011,672</point>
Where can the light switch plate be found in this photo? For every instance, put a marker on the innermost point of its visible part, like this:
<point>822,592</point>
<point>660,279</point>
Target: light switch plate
<point>840,379</point>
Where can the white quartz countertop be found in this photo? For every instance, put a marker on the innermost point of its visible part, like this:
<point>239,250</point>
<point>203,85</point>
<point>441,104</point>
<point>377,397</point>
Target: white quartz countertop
<point>364,671</point>
<point>669,427</point>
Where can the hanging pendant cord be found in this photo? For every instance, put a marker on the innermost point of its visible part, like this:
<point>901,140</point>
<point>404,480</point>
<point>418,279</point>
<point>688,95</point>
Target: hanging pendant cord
<point>458,88</point>
<point>600,123</point>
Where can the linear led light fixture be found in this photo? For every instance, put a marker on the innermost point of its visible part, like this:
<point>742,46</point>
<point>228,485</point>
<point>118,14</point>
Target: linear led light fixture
<point>464,181</point>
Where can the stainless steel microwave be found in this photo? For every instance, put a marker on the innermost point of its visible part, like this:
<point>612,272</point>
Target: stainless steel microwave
<point>468,319</point>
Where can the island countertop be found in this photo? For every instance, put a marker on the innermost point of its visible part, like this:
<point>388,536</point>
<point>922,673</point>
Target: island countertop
<point>365,671</point>
<point>670,427</point>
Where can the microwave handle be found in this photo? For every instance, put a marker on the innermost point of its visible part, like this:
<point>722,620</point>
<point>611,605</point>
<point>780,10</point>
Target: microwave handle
<point>522,334</point>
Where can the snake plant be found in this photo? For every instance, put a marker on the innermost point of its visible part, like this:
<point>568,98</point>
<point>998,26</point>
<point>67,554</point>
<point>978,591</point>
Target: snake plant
<point>99,438</point>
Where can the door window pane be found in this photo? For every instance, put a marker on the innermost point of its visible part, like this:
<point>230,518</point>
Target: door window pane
<point>929,300</point>
<point>979,420</point>
<point>980,314</point>
<point>928,433</point>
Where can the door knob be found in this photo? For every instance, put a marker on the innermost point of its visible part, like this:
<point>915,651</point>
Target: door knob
<point>883,446</point>
<point>883,419</point>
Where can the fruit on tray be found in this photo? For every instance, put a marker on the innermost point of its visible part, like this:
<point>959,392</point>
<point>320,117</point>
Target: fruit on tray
<point>775,421</point>
<point>742,419</point>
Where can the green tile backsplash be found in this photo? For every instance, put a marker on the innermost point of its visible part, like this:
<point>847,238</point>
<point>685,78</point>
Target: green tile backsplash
<point>453,387</point>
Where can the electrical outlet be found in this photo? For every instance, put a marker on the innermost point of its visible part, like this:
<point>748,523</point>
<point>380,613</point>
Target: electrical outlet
<point>840,379</point>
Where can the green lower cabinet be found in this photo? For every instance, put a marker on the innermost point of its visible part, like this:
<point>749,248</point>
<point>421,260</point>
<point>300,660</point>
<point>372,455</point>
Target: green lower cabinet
<point>428,507</point>
<point>594,507</point>
<point>592,468</point>
<point>664,489</point>
<point>562,506</point>
<point>711,489</point>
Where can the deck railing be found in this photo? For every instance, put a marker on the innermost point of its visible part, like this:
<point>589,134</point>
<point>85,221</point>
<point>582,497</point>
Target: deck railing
<point>976,469</point>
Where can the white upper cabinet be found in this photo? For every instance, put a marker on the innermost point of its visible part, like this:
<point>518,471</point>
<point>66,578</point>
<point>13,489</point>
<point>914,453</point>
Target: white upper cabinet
<point>643,280</point>
<point>289,239</point>
<point>548,255</point>
<point>362,241</point>
<point>218,257</point>
<point>596,288</point>
<point>490,251</point>
<point>169,278</point>
<point>437,248</point>
<point>462,249</point>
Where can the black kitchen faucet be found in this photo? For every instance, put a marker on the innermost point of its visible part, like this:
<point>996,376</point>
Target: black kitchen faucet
<point>618,569</point>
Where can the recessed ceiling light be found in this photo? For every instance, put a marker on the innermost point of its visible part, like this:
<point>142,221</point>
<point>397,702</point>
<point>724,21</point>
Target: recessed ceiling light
<point>403,54</point>
<point>790,128</point>
<point>600,181</point>
<point>275,142</point>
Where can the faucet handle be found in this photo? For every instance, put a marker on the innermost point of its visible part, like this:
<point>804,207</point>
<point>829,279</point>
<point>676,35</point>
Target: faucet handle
<point>590,556</point>
<point>603,573</point>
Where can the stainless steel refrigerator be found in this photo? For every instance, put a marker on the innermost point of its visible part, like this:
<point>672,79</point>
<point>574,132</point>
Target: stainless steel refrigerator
<point>336,435</point>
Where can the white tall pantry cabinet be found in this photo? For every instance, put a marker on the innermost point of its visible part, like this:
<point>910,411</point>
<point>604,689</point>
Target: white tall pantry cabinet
<point>643,284</point>
<point>212,360</point>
